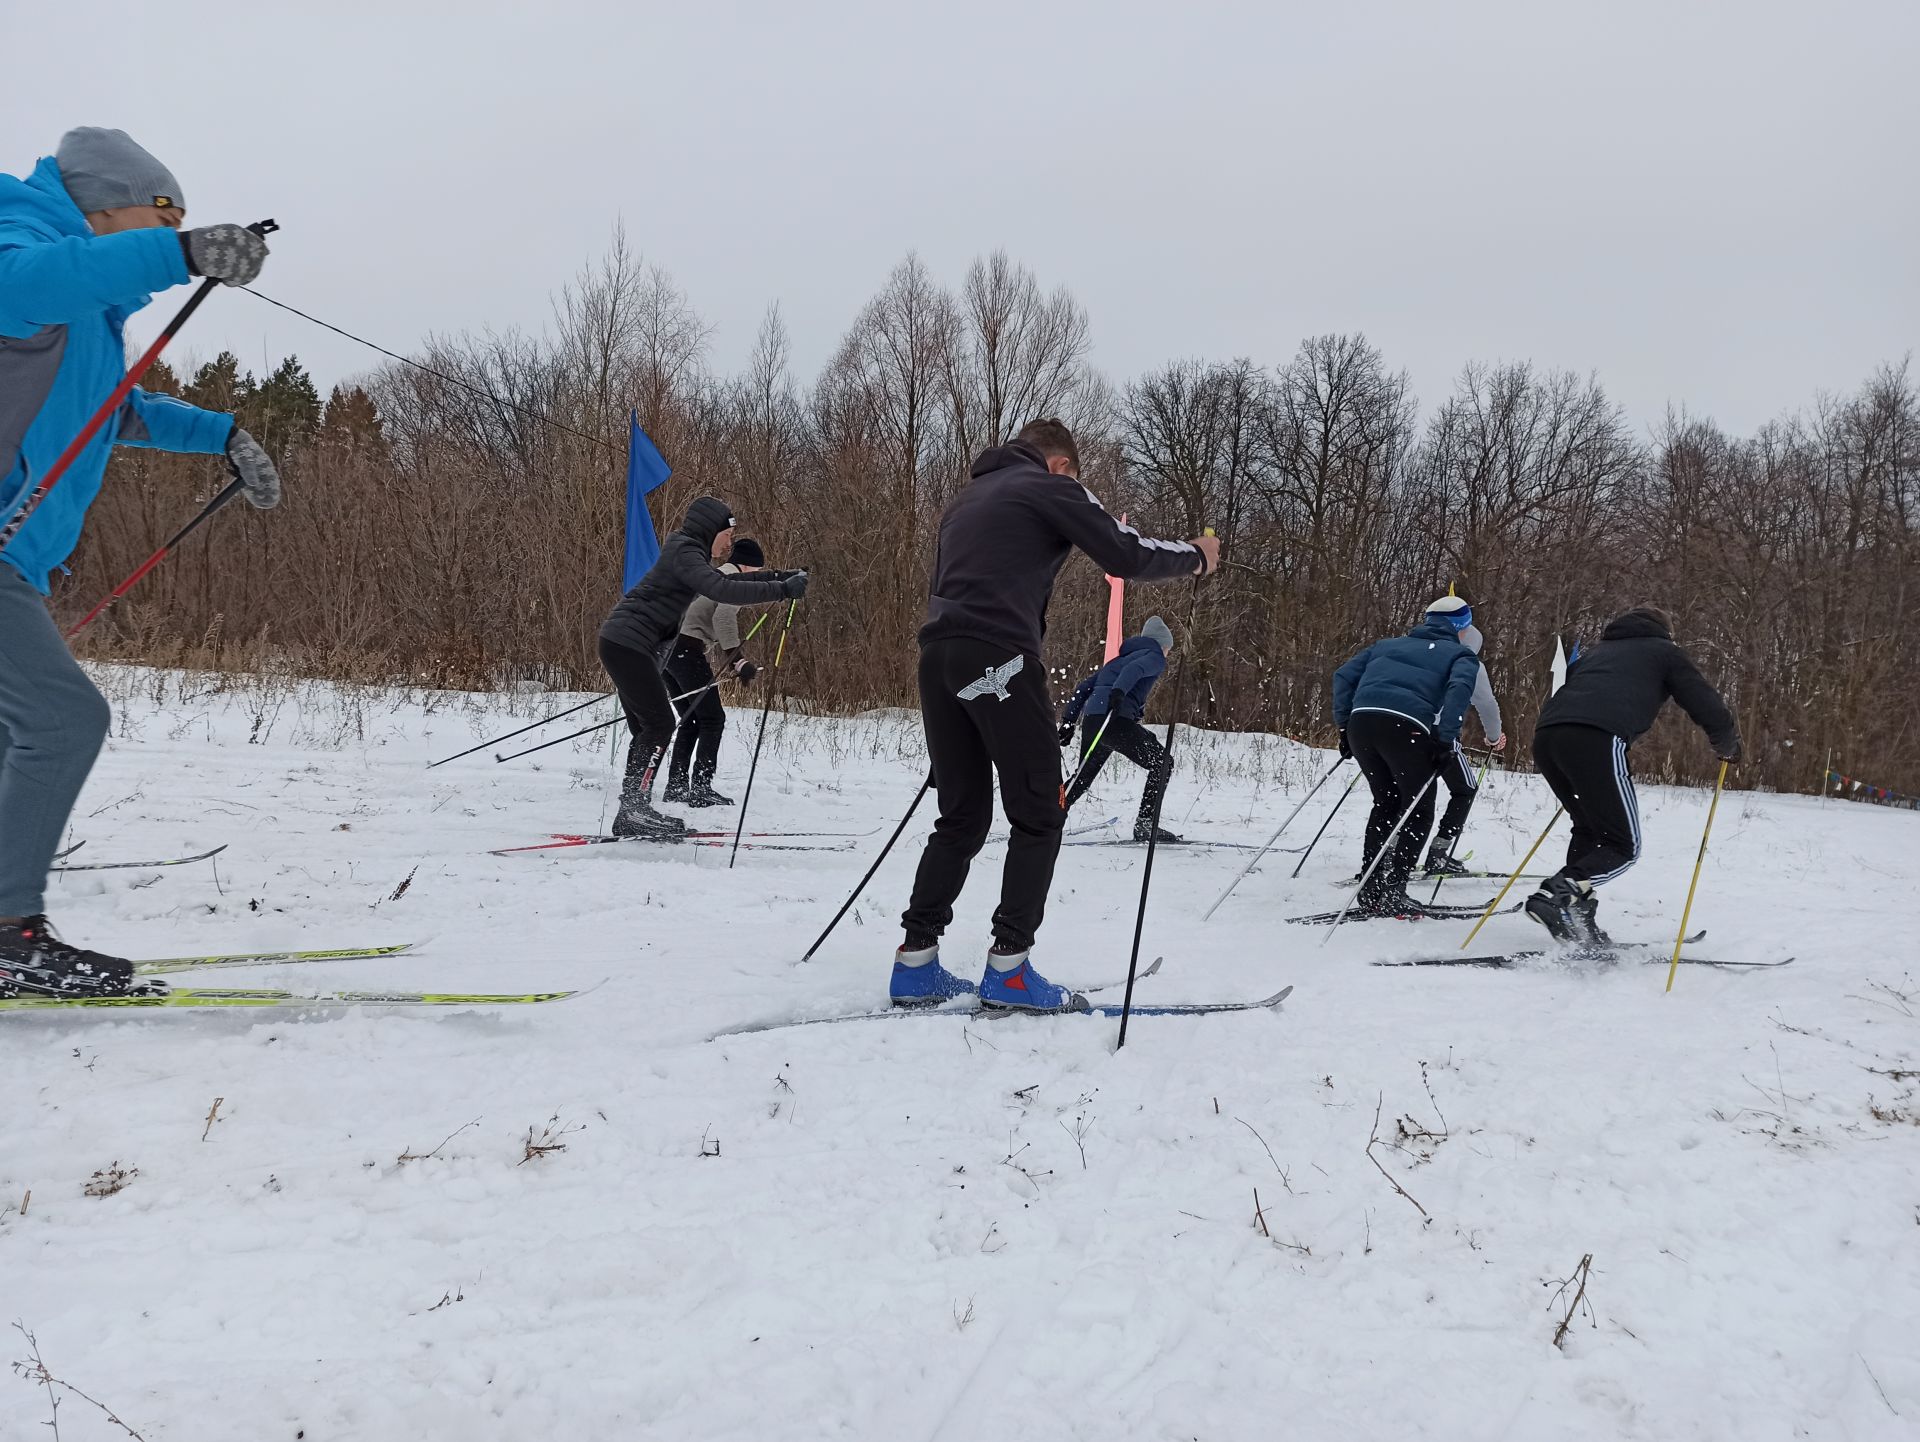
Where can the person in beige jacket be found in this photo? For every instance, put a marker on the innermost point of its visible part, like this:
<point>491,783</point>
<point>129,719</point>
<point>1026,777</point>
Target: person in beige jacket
<point>696,746</point>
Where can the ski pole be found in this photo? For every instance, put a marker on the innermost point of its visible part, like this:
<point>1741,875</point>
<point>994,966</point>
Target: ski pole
<point>1381,855</point>
<point>779,654</point>
<point>1153,832</point>
<point>1325,824</point>
<point>589,730</point>
<point>1248,868</point>
<point>1494,905</point>
<point>113,403</point>
<point>531,725</point>
<point>1454,845</point>
<point>227,493</point>
<point>1091,747</point>
<point>1698,862</point>
<point>852,896</point>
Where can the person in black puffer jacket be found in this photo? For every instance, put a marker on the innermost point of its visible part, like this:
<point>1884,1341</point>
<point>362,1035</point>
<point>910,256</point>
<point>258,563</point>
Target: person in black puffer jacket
<point>1610,699</point>
<point>636,634</point>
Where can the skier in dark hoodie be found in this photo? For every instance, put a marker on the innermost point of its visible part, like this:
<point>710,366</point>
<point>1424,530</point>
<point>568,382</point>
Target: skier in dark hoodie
<point>1109,704</point>
<point>1399,705</point>
<point>634,637</point>
<point>983,699</point>
<point>1611,697</point>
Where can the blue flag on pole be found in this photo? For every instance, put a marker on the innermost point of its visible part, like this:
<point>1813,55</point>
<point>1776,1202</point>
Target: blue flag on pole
<point>646,469</point>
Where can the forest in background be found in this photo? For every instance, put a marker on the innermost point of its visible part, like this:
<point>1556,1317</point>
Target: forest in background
<point>463,527</point>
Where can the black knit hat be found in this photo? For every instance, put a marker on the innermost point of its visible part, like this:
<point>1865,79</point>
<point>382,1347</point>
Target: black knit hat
<point>746,552</point>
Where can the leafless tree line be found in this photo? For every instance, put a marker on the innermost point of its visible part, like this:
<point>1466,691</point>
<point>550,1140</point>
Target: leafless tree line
<point>463,527</point>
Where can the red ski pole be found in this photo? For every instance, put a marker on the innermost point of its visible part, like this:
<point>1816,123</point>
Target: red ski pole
<point>113,403</point>
<point>232,489</point>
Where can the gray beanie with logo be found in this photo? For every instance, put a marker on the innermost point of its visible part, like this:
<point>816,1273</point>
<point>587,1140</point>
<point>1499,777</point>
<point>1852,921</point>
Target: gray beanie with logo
<point>1154,629</point>
<point>107,170</point>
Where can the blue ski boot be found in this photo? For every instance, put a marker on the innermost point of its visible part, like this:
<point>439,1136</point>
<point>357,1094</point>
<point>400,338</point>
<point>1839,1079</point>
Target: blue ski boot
<point>920,980</point>
<point>1010,982</point>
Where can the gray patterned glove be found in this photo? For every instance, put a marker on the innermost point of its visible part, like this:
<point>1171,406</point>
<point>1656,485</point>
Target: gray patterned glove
<point>254,469</point>
<point>229,253</point>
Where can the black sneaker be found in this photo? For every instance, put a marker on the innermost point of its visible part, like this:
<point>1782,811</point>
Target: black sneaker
<point>34,960</point>
<point>638,821</point>
<point>1586,906</point>
<point>1553,907</point>
<point>1439,864</point>
<point>702,796</point>
<point>1146,831</point>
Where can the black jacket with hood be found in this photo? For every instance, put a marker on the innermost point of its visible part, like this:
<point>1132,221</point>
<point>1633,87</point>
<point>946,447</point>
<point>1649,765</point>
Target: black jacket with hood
<point>1621,684</point>
<point>651,612</point>
<point>1007,534</point>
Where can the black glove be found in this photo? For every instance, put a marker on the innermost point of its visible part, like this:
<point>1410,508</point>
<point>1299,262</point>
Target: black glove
<point>793,585</point>
<point>1732,754</point>
<point>1066,733</point>
<point>254,469</point>
<point>1346,751</point>
<point>1439,752</point>
<point>229,253</point>
<point>746,671</point>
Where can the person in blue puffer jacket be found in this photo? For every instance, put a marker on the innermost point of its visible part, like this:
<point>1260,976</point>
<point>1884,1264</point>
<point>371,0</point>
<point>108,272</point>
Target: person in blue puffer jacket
<point>84,241</point>
<point>1399,705</point>
<point>1109,705</point>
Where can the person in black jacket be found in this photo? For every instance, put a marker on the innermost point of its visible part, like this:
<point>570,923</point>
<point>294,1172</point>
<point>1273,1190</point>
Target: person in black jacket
<point>635,636</point>
<point>1611,697</point>
<point>984,703</point>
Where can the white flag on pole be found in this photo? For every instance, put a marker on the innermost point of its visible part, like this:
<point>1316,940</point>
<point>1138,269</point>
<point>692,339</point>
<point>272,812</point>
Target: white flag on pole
<point>1559,665</point>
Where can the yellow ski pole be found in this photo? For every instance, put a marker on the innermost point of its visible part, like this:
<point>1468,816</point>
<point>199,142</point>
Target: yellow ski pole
<point>1494,905</point>
<point>1694,885</point>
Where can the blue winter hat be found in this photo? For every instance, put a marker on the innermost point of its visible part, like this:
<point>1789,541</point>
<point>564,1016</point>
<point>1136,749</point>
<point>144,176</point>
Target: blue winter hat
<point>1454,611</point>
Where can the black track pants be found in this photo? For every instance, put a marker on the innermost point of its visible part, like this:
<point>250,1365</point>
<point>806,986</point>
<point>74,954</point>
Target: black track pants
<point>986,712</point>
<point>1587,769</point>
<point>1395,755</point>
<point>1457,776</point>
<point>643,695</point>
<point>701,721</point>
<point>1137,744</point>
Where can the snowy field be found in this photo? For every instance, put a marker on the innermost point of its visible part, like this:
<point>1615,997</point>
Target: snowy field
<point>935,1228</point>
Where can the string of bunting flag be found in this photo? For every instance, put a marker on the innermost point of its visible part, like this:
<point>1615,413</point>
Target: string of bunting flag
<point>1857,790</point>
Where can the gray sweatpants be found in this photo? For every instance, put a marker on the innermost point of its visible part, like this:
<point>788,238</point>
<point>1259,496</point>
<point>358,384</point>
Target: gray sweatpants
<point>52,723</point>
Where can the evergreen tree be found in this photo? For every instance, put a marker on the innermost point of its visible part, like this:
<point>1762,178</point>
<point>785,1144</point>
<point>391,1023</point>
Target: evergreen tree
<point>353,422</point>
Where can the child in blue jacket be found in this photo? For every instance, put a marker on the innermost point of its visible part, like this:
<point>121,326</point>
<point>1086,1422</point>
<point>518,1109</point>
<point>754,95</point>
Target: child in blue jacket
<point>1109,705</point>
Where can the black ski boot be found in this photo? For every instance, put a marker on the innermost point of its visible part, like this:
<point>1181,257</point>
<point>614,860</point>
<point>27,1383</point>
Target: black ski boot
<point>700,794</point>
<point>1586,906</point>
<point>1145,831</point>
<point>677,790</point>
<point>1441,863</point>
<point>34,960</point>
<point>1553,907</point>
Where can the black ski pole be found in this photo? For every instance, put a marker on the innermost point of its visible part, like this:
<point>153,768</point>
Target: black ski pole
<point>588,731</point>
<point>854,895</point>
<point>227,493</point>
<point>508,736</point>
<point>1257,856</point>
<point>1153,834</point>
<point>1328,822</point>
<point>779,654</point>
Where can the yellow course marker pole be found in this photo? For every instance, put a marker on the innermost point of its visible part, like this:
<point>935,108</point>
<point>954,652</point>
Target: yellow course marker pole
<point>1494,905</point>
<point>1698,862</point>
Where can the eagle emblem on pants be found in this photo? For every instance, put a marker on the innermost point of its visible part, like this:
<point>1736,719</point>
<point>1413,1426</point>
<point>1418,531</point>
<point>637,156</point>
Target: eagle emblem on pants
<point>994,683</point>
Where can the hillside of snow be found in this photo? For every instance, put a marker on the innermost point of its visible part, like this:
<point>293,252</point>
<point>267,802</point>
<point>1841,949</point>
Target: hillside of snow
<point>588,1220</point>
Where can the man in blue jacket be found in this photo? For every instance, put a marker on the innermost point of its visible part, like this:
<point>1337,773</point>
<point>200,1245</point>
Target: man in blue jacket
<point>1399,705</point>
<point>1109,705</point>
<point>84,241</point>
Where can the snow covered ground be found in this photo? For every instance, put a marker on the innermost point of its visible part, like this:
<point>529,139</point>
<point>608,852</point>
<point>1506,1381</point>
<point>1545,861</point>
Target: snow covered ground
<point>936,1228</point>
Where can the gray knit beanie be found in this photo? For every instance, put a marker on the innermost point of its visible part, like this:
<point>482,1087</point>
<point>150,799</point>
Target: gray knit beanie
<point>106,170</point>
<point>1155,629</point>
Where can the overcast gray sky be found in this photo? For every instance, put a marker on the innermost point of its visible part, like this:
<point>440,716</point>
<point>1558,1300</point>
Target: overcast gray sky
<point>1716,204</point>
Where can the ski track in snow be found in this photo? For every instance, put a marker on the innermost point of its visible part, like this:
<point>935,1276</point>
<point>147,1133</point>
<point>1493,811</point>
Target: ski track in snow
<point>898,1237</point>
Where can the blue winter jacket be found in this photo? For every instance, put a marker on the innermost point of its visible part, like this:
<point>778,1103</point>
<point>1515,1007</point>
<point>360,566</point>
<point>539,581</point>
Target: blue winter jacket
<point>65,294</point>
<point>1426,676</point>
<point>1122,684</point>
